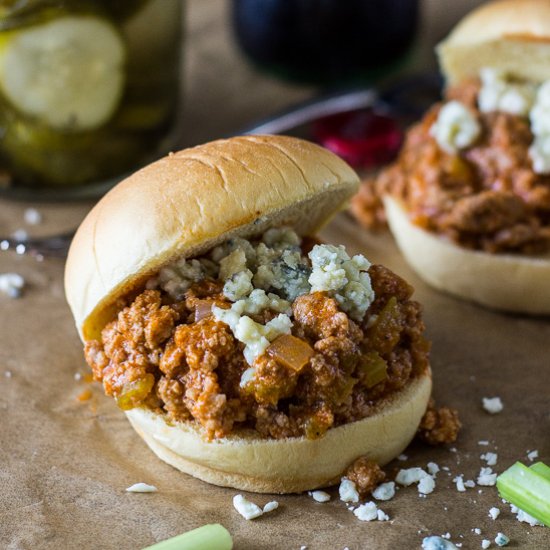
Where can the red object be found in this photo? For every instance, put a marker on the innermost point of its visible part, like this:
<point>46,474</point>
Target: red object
<point>364,138</point>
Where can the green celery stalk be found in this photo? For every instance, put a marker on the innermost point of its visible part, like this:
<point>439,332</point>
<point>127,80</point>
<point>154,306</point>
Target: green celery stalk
<point>208,537</point>
<point>527,489</point>
<point>542,469</point>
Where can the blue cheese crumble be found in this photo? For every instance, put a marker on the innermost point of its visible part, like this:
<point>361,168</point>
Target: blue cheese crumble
<point>269,274</point>
<point>455,128</point>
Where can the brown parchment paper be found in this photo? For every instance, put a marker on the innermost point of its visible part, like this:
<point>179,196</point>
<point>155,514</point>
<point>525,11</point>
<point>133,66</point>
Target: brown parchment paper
<point>65,463</point>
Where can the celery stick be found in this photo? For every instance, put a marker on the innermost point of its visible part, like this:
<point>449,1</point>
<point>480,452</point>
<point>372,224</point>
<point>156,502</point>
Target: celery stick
<point>541,469</point>
<point>208,537</point>
<point>527,489</point>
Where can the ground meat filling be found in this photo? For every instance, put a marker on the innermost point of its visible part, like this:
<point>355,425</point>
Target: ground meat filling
<point>484,197</point>
<point>173,355</point>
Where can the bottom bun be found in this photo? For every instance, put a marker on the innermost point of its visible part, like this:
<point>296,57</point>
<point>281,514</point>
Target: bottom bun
<point>502,281</point>
<point>245,461</point>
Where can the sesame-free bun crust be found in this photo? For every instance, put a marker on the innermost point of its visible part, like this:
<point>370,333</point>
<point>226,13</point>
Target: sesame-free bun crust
<point>291,465</point>
<point>188,202</point>
<point>512,35</point>
<point>501,281</point>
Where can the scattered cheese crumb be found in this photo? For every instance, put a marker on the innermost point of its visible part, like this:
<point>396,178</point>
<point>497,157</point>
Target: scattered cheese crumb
<point>141,488</point>
<point>494,513</point>
<point>477,531</point>
<point>270,506</point>
<point>470,483</point>
<point>524,516</point>
<point>459,484</point>
<point>77,376</point>
<point>366,512</point>
<point>447,536</point>
<point>11,284</point>
<point>382,516</point>
<point>32,216</point>
<point>402,457</point>
<point>486,477</point>
<point>531,455</point>
<point>20,235</point>
<point>485,543</point>
<point>490,458</point>
<point>425,482</point>
<point>8,374</point>
<point>437,543</point>
<point>433,468</point>
<point>483,442</point>
<point>247,509</point>
<point>501,539</point>
<point>492,405</point>
<point>319,496</point>
<point>384,491</point>
<point>348,491</point>
<point>426,485</point>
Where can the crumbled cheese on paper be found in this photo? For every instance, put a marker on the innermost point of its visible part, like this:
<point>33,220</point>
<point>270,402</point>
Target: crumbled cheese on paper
<point>493,405</point>
<point>437,543</point>
<point>384,491</point>
<point>426,483</point>
<point>490,458</point>
<point>141,488</point>
<point>319,496</point>
<point>246,508</point>
<point>11,284</point>
<point>494,512</point>
<point>486,477</point>
<point>348,491</point>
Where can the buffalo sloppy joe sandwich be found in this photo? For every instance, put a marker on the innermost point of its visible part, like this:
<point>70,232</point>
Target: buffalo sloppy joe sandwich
<point>468,199</point>
<point>243,351</point>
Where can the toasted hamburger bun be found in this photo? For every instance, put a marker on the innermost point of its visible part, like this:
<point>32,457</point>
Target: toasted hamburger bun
<point>183,205</point>
<point>500,281</point>
<point>513,35</point>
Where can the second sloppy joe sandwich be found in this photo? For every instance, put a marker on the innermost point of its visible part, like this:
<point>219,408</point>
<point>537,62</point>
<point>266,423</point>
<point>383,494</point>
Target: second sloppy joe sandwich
<point>242,350</point>
<point>468,198</point>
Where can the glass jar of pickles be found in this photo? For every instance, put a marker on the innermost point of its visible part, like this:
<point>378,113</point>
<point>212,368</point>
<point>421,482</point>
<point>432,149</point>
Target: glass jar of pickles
<point>89,90</point>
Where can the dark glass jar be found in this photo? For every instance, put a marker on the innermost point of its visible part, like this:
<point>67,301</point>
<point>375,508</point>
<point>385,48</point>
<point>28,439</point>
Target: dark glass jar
<point>89,90</point>
<point>325,41</point>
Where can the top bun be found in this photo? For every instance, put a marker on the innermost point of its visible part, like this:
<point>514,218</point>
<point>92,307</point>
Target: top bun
<point>190,201</point>
<point>511,35</point>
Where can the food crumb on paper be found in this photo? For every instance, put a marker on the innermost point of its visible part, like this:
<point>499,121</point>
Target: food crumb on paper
<point>501,539</point>
<point>270,506</point>
<point>485,543</point>
<point>384,491</point>
<point>246,508</point>
<point>532,455</point>
<point>319,496</point>
<point>437,543</point>
<point>493,405</point>
<point>494,513</point>
<point>32,216</point>
<point>426,483</point>
<point>249,510</point>
<point>366,512</point>
<point>141,488</point>
<point>486,477</point>
<point>348,491</point>
<point>11,284</point>
<point>524,517</point>
<point>490,458</point>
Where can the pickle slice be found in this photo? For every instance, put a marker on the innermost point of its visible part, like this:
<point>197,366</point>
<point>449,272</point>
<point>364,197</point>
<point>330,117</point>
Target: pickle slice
<point>67,72</point>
